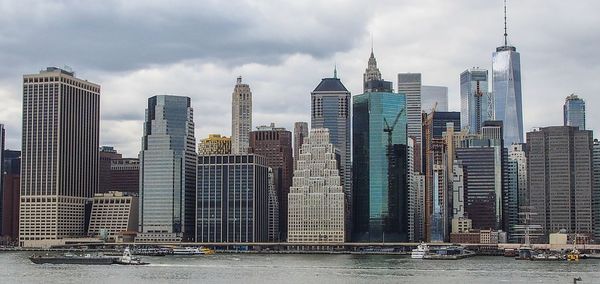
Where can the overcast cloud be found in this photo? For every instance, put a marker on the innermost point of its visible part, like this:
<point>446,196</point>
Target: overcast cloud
<point>137,49</point>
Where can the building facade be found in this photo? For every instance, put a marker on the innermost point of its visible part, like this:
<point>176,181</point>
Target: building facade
<point>476,102</point>
<point>125,175</point>
<point>275,144</point>
<point>596,189</point>
<point>2,141</point>
<point>112,214</point>
<point>300,132</point>
<point>11,196</point>
<point>379,151</point>
<point>167,170</point>
<point>482,181</point>
<point>316,199</point>
<point>574,112</point>
<point>232,199</point>
<point>215,144</point>
<point>517,153</point>
<point>331,110</point>
<point>59,155</point>
<point>409,84</point>
<point>106,155</point>
<point>560,179</point>
<point>274,232</point>
<point>434,96</point>
<point>241,117</point>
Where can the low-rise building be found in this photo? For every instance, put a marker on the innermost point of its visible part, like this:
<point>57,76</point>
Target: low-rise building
<point>112,214</point>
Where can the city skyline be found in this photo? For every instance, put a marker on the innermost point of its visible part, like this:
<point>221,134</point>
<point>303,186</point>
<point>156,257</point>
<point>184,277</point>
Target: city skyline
<point>206,75</point>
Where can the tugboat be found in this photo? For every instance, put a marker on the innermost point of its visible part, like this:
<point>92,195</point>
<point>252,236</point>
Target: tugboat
<point>69,258</point>
<point>574,254</point>
<point>127,259</point>
<point>420,252</point>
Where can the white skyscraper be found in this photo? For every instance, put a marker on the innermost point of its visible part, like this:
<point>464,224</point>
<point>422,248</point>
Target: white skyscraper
<point>316,199</point>
<point>410,85</point>
<point>241,118</point>
<point>517,152</point>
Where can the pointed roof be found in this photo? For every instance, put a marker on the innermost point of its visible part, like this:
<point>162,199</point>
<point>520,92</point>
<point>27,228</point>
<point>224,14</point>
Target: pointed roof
<point>330,85</point>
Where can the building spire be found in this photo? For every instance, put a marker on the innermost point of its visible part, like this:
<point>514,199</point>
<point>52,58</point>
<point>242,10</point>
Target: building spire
<point>505,30</point>
<point>335,71</point>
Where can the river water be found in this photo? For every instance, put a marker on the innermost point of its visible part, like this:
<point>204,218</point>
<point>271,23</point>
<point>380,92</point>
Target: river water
<point>265,268</point>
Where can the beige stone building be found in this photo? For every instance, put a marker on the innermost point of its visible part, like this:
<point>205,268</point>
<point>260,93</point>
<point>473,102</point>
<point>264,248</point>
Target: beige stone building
<point>316,199</point>
<point>215,144</point>
<point>113,214</point>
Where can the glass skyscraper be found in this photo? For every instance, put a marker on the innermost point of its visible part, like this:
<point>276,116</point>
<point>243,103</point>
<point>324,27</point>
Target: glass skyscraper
<point>379,178</point>
<point>476,103</point>
<point>574,112</point>
<point>167,170</point>
<point>331,109</point>
<point>506,73</point>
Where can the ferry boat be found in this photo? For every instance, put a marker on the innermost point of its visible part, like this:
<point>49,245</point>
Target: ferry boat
<point>69,258</point>
<point>192,251</point>
<point>420,252</point>
<point>127,259</point>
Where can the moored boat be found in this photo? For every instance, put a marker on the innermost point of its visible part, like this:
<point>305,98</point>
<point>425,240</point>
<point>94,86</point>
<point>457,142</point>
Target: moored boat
<point>68,258</point>
<point>192,251</point>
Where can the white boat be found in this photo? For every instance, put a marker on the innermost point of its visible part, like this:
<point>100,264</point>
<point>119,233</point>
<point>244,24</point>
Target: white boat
<point>420,251</point>
<point>192,251</point>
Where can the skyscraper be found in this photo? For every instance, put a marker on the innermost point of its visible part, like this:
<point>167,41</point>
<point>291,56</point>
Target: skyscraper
<point>574,112</point>
<point>331,109</point>
<point>232,199</point>
<point>517,152</point>
<point>300,132</point>
<point>482,166</point>
<point>596,189</point>
<point>167,170</point>
<point>432,95</point>
<point>380,156</point>
<point>371,73</point>
<point>506,83</point>
<point>476,103</point>
<point>60,155</point>
<point>410,85</point>
<point>2,141</point>
<point>560,179</point>
<point>241,117</point>
<point>275,144</point>
<point>11,194</point>
<point>316,199</point>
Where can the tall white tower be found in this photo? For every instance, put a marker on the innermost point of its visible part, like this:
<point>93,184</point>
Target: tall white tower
<point>241,118</point>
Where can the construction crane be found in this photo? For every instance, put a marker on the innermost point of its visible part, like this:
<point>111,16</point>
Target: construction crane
<point>389,129</point>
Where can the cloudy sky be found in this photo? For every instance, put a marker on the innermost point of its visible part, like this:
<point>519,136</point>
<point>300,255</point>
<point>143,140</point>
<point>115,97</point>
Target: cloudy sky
<point>139,48</point>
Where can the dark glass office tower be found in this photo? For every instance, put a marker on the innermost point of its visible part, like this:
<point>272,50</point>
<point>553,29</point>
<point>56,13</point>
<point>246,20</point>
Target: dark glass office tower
<point>232,199</point>
<point>331,109</point>
<point>380,157</point>
<point>168,170</point>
